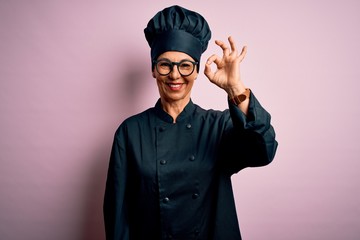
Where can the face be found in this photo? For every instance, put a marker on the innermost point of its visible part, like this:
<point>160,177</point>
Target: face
<point>174,87</point>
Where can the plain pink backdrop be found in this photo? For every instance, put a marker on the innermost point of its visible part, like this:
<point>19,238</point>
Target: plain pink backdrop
<point>71,71</point>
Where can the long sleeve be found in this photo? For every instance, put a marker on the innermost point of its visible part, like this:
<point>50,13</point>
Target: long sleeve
<point>250,142</point>
<point>115,205</point>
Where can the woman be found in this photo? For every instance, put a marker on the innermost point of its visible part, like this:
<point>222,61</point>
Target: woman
<point>170,168</point>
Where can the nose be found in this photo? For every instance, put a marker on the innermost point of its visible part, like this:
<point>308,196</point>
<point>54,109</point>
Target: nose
<point>175,74</point>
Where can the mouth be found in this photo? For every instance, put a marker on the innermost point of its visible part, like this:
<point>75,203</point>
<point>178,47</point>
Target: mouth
<point>174,86</point>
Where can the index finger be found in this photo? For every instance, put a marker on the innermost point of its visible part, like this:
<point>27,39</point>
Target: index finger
<point>223,47</point>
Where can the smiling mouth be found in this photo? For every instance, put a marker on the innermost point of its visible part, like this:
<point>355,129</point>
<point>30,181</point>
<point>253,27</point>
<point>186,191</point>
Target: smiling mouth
<point>175,86</point>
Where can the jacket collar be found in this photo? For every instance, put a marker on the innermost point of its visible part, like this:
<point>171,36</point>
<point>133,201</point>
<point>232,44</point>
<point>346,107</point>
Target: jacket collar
<point>187,112</point>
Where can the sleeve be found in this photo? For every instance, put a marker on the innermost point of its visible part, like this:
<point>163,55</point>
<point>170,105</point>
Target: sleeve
<point>250,140</point>
<point>115,205</point>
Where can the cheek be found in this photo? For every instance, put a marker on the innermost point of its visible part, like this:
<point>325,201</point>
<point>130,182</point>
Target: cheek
<point>193,78</point>
<point>160,84</point>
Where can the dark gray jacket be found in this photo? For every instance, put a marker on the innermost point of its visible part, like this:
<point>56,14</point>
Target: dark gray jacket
<point>173,181</point>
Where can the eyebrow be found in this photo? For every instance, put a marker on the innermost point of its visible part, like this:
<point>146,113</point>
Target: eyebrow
<point>187,59</point>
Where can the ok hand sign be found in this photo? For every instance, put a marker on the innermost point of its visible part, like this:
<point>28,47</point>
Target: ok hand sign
<point>227,74</point>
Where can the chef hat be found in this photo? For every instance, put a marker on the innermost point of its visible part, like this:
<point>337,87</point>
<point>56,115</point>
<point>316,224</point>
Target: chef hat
<point>177,29</point>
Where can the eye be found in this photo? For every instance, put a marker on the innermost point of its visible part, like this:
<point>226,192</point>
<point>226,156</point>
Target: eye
<point>186,65</point>
<point>164,64</point>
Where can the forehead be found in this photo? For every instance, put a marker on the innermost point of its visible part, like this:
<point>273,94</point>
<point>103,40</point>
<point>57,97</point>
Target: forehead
<point>175,56</point>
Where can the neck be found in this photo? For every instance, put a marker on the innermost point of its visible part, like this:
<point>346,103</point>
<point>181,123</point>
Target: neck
<point>174,108</point>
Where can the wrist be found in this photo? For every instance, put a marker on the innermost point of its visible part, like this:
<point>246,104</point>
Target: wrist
<point>235,91</point>
<point>239,98</point>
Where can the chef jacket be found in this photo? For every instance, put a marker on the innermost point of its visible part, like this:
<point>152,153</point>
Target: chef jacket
<point>173,180</point>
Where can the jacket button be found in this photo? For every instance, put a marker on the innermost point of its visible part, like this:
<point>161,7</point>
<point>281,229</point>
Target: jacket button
<point>163,162</point>
<point>161,129</point>
<point>192,158</point>
<point>188,126</point>
<point>195,196</point>
<point>166,200</point>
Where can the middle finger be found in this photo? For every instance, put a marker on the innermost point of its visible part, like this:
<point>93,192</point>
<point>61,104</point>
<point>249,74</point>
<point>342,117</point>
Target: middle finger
<point>232,45</point>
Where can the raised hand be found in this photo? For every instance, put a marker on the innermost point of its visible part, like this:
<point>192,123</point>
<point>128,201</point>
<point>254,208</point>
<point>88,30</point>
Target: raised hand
<point>227,74</point>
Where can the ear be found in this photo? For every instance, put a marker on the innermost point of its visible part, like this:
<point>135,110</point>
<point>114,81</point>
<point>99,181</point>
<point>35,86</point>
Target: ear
<point>153,74</point>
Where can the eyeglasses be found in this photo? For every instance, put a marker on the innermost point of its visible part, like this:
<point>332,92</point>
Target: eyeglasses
<point>165,66</point>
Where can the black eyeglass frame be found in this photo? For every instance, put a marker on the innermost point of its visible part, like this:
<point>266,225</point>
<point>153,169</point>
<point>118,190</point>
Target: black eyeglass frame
<point>172,64</point>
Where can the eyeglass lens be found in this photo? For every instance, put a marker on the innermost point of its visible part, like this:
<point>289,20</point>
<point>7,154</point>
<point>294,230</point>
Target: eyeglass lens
<point>185,67</point>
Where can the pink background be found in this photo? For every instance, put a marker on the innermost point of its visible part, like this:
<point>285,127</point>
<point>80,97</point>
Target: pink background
<point>71,71</point>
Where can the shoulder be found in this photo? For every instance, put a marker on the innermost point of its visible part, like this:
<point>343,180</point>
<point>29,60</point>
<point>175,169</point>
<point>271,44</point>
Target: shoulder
<point>140,116</point>
<point>211,114</point>
<point>136,121</point>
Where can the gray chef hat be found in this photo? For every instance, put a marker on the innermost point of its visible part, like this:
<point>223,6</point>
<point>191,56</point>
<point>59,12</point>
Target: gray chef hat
<point>177,29</point>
